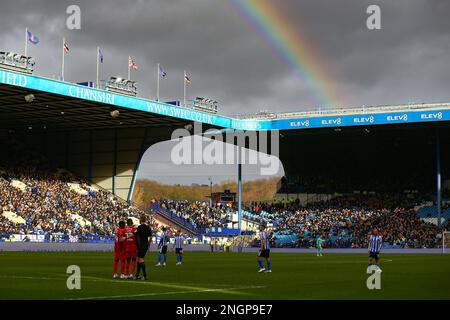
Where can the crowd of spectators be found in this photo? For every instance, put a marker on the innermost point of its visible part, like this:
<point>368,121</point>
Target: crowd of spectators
<point>44,200</point>
<point>48,205</point>
<point>7,227</point>
<point>200,214</point>
<point>346,221</point>
<point>39,193</point>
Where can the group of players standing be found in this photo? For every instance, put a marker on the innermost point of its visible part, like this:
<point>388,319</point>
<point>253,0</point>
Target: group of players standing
<point>131,245</point>
<point>163,245</point>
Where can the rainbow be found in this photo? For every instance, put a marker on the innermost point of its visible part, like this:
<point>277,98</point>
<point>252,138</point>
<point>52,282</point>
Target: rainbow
<point>292,47</point>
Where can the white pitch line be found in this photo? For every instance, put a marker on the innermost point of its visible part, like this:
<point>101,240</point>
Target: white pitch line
<point>155,283</point>
<point>166,293</point>
<point>122,281</point>
<point>30,278</point>
<point>94,279</point>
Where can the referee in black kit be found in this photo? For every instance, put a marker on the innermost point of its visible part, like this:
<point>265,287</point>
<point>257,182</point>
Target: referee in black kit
<point>143,236</point>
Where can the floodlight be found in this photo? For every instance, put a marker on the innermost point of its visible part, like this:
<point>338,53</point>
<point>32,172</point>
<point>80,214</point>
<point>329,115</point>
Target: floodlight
<point>16,62</point>
<point>115,113</point>
<point>29,97</point>
<point>121,85</point>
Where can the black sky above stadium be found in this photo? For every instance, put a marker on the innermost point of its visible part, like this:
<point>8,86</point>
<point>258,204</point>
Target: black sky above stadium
<point>229,60</point>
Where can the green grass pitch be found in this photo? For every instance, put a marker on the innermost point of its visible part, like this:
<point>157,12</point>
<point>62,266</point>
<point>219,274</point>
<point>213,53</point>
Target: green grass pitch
<point>204,275</point>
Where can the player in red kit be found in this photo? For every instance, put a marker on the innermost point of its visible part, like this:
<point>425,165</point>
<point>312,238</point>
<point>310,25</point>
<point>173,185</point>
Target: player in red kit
<point>119,250</point>
<point>130,249</point>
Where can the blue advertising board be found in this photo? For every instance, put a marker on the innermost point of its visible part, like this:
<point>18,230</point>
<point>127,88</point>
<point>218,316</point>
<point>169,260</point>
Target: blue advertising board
<point>173,110</point>
<point>363,120</point>
<point>219,232</point>
<point>98,95</point>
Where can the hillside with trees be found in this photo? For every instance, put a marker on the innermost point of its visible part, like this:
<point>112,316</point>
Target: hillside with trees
<point>255,190</point>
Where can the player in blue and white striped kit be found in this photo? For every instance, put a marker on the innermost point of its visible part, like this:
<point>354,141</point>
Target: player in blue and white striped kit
<point>178,245</point>
<point>375,244</point>
<point>264,252</point>
<point>162,246</point>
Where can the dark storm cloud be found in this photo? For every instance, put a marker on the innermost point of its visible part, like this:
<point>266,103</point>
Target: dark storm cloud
<point>407,60</point>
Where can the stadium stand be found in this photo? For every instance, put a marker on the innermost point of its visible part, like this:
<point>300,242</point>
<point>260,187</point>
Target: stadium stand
<point>53,203</point>
<point>346,220</point>
<point>431,212</point>
<point>48,206</point>
<point>196,214</point>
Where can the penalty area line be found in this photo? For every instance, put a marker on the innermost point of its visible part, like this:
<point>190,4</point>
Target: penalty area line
<point>28,278</point>
<point>167,293</point>
<point>121,281</point>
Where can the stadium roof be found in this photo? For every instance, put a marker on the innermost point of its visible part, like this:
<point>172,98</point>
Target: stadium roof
<point>61,105</point>
<point>51,111</point>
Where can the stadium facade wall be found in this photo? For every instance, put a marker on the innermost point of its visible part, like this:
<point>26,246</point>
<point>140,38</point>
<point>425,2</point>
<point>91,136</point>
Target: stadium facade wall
<point>109,158</point>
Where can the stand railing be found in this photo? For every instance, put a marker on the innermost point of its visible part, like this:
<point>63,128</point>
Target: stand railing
<point>174,218</point>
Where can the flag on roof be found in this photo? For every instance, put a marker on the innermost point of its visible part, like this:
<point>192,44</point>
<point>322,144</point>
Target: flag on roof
<point>65,47</point>
<point>32,38</point>
<point>186,78</point>
<point>132,64</point>
<point>100,55</point>
<point>162,73</point>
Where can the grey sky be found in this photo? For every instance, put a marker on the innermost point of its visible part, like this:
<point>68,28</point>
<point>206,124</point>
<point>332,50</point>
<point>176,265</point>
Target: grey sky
<point>156,165</point>
<point>408,60</point>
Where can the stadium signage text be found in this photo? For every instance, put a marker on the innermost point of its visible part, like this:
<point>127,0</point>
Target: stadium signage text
<point>14,79</point>
<point>370,119</point>
<point>71,90</point>
<point>356,120</point>
<point>301,123</point>
<point>176,112</point>
<point>403,117</point>
<point>88,94</point>
<point>102,96</point>
<point>328,122</point>
<point>437,115</point>
<point>247,125</point>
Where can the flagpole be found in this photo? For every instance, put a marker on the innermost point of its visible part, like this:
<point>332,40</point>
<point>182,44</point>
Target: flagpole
<point>98,50</point>
<point>129,68</point>
<point>157,84</point>
<point>62,68</point>
<point>184,83</point>
<point>26,42</point>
